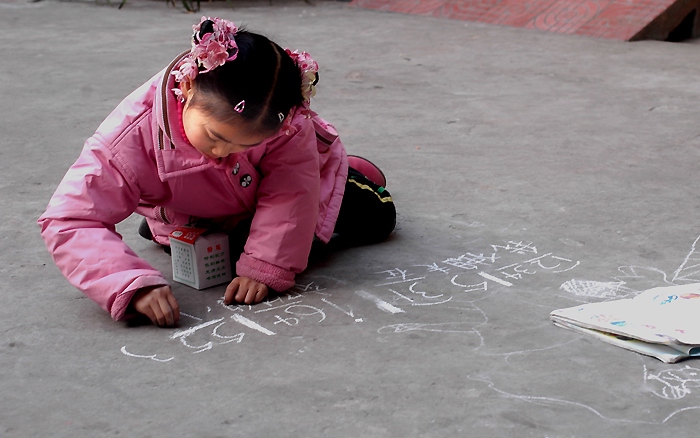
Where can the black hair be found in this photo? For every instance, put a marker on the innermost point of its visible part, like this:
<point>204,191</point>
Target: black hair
<point>262,74</point>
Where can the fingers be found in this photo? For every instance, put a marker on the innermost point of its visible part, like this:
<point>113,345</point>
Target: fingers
<point>167,318</point>
<point>231,290</point>
<point>242,295</point>
<point>245,290</point>
<point>150,315</point>
<point>260,295</point>
<point>175,308</point>
<point>158,304</point>
<point>250,294</point>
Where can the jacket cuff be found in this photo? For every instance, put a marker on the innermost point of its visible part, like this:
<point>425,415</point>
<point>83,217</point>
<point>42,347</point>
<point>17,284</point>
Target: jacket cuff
<point>272,276</point>
<point>121,302</point>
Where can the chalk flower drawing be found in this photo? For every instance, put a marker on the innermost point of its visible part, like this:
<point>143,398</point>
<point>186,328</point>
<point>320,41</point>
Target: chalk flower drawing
<point>673,384</point>
<point>634,279</point>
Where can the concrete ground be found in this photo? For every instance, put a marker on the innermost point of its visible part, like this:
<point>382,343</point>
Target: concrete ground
<point>531,171</point>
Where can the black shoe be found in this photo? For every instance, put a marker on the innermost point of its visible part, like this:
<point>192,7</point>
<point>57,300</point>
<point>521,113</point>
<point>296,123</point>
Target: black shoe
<point>145,232</point>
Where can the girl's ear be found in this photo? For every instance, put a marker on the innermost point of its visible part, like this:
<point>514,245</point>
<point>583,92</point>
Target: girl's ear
<point>186,88</point>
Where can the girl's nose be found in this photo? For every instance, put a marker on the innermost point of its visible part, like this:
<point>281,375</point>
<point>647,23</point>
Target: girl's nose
<point>220,151</point>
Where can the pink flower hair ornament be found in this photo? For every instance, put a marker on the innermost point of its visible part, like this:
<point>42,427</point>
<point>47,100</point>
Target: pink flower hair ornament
<point>309,78</point>
<point>213,44</point>
<point>309,73</point>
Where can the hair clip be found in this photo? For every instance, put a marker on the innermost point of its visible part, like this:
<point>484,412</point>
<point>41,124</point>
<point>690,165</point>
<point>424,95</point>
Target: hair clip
<point>281,116</point>
<point>240,106</point>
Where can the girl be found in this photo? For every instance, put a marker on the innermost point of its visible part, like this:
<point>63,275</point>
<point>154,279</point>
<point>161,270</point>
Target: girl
<point>224,135</point>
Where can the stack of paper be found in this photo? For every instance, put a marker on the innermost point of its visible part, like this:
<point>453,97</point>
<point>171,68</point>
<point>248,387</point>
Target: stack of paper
<point>663,322</point>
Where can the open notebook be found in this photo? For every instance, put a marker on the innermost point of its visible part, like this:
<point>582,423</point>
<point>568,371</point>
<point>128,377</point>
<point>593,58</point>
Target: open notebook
<point>663,322</point>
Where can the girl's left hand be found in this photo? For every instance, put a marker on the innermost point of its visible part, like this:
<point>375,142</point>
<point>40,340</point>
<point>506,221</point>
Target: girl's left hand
<point>245,290</point>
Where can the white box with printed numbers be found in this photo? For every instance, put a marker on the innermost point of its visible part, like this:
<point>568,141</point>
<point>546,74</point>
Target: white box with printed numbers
<point>200,260</point>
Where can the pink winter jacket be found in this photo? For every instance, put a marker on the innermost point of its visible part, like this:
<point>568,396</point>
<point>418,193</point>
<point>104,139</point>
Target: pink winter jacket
<point>139,161</point>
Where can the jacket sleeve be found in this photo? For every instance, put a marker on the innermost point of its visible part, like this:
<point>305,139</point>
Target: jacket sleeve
<point>286,211</point>
<point>79,230</point>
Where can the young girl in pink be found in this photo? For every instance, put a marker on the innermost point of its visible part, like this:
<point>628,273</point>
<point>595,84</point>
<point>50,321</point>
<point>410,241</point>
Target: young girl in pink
<point>223,136</point>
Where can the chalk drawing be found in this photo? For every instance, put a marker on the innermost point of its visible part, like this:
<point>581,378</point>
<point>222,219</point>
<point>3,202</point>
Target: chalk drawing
<point>496,279</point>
<point>470,261</point>
<point>632,279</point>
<point>687,271</point>
<point>470,325</point>
<point>185,333</point>
<point>474,292</point>
<point>547,401</point>
<point>422,294</point>
<point>306,310</point>
<point>235,338</point>
<point>400,295</point>
<point>509,354</point>
<point>151,357</point>
<point>433,303</point>
<point>434,267</point>
<point>441,327</point>
<point>312,288</point>
<point>397,276</point>
<point>283,306</point>
<point>516,247</point>
<point>381,304</point>
<point>598,289</point>
<point>673,384</point>
<point>562,264</point>
<point>347,312</point>
<point>192,316</point>
<point>251,324</point>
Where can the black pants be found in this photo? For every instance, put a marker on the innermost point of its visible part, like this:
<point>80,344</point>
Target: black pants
<point>367,214</point>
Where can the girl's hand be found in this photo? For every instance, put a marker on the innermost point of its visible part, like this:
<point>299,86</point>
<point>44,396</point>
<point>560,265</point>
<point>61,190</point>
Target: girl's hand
<point>158,304</point>
<point>245,290</point>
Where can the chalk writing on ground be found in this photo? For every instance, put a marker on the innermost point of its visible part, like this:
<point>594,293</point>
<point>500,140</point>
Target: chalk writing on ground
<point>456,281</point>
<point>463,281</point>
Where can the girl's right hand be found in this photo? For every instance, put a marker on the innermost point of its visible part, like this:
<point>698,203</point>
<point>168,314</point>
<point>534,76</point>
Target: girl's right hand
<point>158,303</point>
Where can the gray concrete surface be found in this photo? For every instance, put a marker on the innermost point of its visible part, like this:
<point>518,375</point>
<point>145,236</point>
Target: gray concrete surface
<point>501,145</point>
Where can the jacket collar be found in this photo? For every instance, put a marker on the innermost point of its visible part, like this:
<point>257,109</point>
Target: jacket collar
<point>175,156</point>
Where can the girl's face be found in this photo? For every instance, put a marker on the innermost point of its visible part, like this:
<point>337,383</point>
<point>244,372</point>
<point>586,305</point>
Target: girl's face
<point>213,138</point>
